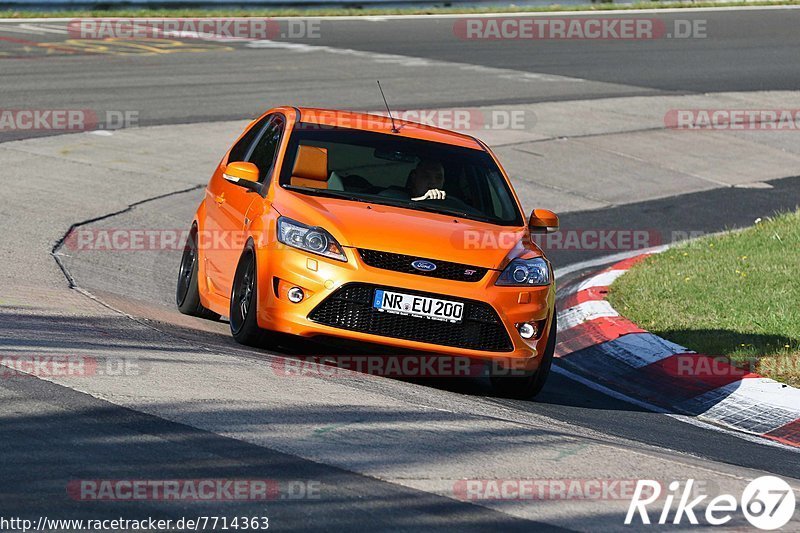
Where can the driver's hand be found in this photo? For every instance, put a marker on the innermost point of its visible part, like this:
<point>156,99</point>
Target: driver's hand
<point>432,194</point>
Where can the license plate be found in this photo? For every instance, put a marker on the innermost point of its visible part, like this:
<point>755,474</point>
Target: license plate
<point>419,306</point>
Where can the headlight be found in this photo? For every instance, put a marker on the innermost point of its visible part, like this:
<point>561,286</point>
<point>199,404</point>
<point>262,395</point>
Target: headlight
<point>314,240</point>
<point>526,272</point>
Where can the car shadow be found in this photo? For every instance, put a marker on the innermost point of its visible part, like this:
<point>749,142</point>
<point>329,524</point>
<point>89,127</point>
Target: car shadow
<point>563,402</point>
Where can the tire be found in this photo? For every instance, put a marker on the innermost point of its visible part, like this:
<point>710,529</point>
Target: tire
<point>187,295</point>
<point>525,387</point>
<point>244,298</point>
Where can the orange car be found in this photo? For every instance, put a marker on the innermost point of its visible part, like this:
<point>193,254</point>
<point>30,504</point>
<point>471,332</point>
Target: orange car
<point>323,223</point>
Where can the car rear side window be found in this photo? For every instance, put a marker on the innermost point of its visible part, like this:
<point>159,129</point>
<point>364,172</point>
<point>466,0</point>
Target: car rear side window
<point>263,154</point>
<point>241,149</point>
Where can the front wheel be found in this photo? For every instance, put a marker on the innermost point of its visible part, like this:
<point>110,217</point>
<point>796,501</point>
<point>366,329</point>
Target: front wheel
<point>244,296</point>
<point>187,295</point>
<point>524,387</point>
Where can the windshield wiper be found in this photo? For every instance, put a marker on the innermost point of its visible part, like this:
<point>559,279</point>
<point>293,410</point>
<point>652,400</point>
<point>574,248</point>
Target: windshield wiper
<point>448,211</point>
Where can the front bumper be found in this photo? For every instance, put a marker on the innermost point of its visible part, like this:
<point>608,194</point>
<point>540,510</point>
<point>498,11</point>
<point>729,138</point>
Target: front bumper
<point>322,280</point>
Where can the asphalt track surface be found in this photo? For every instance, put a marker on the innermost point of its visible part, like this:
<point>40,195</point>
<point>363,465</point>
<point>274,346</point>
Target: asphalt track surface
<point>742,51</point>
<point>55,434</point>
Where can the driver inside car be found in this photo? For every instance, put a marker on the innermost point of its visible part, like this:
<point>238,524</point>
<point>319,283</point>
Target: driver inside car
<point>425,182</point>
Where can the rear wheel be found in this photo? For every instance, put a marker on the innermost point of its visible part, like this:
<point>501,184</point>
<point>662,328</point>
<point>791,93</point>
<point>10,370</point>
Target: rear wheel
<point>528,386</point>
<point>187,295</point>
<point>244,326</point>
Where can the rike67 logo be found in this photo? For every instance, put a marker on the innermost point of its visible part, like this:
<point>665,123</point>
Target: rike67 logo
<point>768,503</point>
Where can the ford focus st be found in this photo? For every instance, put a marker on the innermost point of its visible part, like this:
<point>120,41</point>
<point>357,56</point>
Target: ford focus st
<point>329,224</point>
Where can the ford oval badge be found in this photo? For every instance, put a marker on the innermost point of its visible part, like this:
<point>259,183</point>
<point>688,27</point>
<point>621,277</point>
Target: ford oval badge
<point>423,266</point>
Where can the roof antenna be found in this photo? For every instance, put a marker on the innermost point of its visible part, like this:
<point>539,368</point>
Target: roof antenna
<point>394,128</point>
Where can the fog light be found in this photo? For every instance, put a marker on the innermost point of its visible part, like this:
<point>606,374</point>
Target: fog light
<point>527,330</point>
<point>295,295</point>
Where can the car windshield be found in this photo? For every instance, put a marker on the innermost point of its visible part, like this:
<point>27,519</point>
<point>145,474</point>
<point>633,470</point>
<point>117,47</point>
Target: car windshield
<point>399,171</point>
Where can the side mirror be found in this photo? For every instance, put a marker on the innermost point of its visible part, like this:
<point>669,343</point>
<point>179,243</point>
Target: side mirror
<point>243,174</point>
<point>543,221</point>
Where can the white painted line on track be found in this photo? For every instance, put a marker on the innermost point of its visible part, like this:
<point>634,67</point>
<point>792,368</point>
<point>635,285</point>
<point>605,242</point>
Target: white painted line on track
<point>43,28</point>
<point>413,61</point>
<point>18,29</point>
<point>60,28</point>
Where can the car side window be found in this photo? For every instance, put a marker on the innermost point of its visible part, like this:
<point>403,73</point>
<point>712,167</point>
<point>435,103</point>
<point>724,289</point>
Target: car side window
<point>243,146</point>
<point>263,154</point>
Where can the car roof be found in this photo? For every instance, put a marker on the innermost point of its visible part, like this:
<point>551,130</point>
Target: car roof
<point>382,124</point>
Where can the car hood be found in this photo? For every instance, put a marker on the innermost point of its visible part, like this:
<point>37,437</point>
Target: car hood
<point>404,231</point>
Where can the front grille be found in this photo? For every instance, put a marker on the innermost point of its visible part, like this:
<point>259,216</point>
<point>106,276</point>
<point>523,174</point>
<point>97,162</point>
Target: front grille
<point>402,263</point>
<point>350,307</point>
